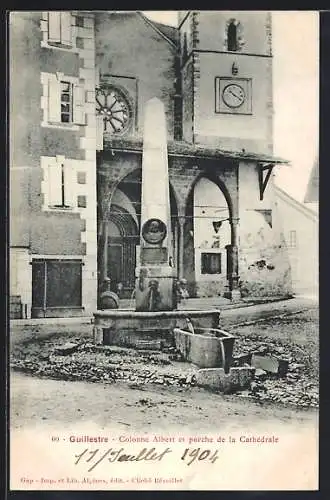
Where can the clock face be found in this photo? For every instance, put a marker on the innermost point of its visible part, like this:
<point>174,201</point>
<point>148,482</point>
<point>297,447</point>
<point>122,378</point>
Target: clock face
<point>233,95</point>
<point>115,108</point>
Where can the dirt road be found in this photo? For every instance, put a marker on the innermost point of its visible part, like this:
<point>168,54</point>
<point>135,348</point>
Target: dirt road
<point>37,402</point>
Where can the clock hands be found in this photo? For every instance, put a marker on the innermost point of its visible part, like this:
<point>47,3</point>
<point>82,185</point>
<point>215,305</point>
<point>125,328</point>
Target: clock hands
<point>235,95</point>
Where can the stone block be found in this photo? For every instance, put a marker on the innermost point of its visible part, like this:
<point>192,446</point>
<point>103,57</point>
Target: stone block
<point>260,374</point>
<point>152,345</point>
<point>122,327</point>
<point>242,376</point>
<point>242,359</point>
<point>238,378</point>
<point>205,350</point>
<point>270,364</point>
<point>66,349</point>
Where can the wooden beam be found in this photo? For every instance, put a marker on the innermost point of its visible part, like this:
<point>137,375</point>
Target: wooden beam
<point>263,180</point>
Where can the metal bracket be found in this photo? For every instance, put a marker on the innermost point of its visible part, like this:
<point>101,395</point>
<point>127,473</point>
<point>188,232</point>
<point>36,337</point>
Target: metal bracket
<point>264,178</point>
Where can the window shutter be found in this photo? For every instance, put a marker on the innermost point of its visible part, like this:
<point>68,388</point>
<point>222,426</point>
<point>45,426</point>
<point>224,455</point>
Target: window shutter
<point>79,105</point>
<point>66,33</point>
<point>54,101</point>
<point>54,27</point>
<point>54,184</point>
<point>99,132</point>
<point>69,184</point>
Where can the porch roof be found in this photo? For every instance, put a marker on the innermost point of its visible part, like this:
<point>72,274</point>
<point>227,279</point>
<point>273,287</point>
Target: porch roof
<point>182,148</point>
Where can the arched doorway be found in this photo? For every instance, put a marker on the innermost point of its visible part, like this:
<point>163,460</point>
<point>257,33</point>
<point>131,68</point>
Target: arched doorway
<point>123,237</point>
<point>208,237</point>
<point>212,235</point>
<point>120,234</point>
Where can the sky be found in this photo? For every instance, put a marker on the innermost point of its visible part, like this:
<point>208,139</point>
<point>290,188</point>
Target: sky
<point>295,92</point>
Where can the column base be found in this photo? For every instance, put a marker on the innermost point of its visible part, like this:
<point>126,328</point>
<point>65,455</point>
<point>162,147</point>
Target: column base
<point>235,295</point>
<point>98,335</point>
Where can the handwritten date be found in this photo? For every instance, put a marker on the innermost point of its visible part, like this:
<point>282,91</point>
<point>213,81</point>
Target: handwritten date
<point>95,457</point>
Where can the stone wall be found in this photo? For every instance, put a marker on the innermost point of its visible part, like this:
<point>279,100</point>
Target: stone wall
<point>122,40</point>
<point>264,266</point>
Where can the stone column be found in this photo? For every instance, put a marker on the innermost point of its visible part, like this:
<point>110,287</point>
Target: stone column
<point>233,276</point>
<point>105,250</point>
<point>181,220</point>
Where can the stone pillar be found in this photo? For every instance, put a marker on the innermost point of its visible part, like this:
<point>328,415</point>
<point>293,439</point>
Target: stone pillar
<point>181,220</point>
<point>233,248</point>
<point>176,244</point>
<point>105,250</point>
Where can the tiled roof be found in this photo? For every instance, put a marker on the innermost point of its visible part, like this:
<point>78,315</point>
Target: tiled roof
<point>181,148</point>
<point>170,33</point>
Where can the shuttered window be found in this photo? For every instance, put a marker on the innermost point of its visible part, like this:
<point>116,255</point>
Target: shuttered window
<point>59,28</point>
<point>61,185</point>
<point>54,101</point>
<point>66,102</point>
<point>78,104</point>
<point>292,238</point>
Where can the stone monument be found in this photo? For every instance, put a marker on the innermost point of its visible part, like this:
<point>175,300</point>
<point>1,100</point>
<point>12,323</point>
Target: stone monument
<point>154,288</point>
<point>156,314</point>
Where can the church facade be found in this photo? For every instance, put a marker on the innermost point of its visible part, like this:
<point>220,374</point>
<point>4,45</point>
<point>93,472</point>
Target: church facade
<point>79,83</point>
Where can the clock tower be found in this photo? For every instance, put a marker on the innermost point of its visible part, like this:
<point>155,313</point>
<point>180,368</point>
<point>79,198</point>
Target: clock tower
<point>226,78</point>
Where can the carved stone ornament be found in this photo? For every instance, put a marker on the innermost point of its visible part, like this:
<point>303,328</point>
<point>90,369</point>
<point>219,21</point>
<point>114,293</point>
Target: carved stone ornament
<point>154,231</point>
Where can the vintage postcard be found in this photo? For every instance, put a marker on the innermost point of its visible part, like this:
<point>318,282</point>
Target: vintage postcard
<point>163,250</point>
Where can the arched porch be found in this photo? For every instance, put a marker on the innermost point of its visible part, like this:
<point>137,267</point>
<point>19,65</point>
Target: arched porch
<point>118,244</point>
<point>210,237</point>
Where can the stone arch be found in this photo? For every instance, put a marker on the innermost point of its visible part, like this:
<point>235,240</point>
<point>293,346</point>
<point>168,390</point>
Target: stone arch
<point>216,180</point>
<point>120,255</point>
<point>187,234</point>
<point>129,184</point>
<point>123,219</point>
<point>134,175</point>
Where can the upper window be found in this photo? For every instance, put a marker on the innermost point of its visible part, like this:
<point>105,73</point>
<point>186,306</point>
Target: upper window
<point>59,28</point>
<point>232,36</point>
<point>233,39</point>
<point>292,239</point>
<point>80,21</point>
<point>185,46</point>
<point>63,100</point>
<point>61,182</point>
<point>66,102</point>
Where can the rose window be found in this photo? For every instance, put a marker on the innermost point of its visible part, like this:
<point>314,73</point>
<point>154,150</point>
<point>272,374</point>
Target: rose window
<point>112,103</point>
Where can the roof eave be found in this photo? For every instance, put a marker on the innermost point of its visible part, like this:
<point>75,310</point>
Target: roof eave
<point>178,148</point>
